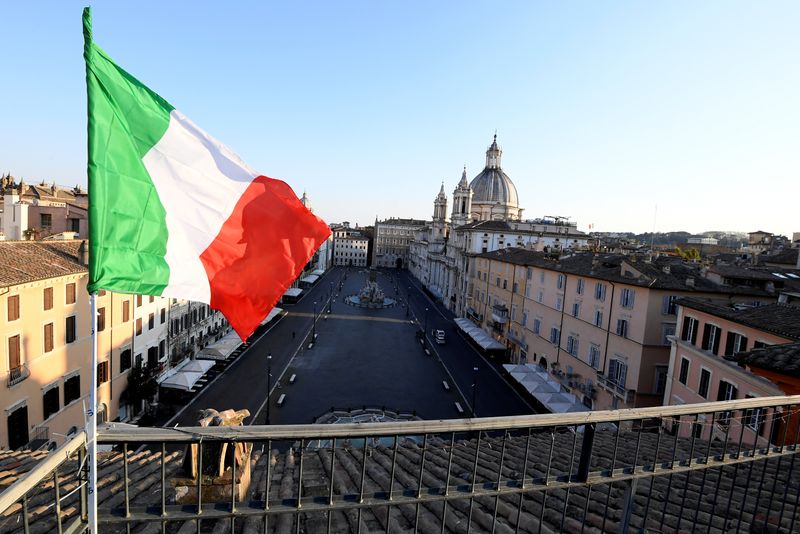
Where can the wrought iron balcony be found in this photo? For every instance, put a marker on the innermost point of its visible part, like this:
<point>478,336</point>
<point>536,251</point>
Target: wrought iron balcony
<point>18,374</point>
<point>559,472</point>
<point>499,314</point>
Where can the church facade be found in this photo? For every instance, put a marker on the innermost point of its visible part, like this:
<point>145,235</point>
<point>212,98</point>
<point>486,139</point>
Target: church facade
<point>485,216</point>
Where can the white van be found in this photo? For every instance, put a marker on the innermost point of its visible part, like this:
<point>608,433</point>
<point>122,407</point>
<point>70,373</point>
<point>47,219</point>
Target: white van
<point>438,335</point>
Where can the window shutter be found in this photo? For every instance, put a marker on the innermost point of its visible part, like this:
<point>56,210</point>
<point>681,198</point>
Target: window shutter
<point>706,336</point>
<point>721,390</point>
<point>694,331</point>
<point>729,349</point>
<point>685,330</point>
<point>717,339</point>
<point>612,369</point>
<point>743,344</point>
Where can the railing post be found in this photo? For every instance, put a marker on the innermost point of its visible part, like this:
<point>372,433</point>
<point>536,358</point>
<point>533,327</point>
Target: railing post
<point>586,453</point>
<point>84,497</point>
<point>627,505</point>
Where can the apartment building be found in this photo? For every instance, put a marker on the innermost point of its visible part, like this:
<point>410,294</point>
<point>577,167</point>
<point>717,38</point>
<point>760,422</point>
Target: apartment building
<point>392,239</point>
<point>192,326</point>
<point>601,324</point>
<point>45,355</point>
<point>150,331</point>
<point>725,352</point>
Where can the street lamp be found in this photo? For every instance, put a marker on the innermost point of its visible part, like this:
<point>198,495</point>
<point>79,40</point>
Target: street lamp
<point>425,333</point>
<point>269,380</point>
<point>314,326</point>
<point>474,389</point>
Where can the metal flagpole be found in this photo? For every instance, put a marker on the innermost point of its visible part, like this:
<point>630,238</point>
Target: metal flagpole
<point>91,426</point>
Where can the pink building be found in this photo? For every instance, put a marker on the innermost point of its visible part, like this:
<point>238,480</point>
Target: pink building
<point>42,210</point>
<point>703,362</point>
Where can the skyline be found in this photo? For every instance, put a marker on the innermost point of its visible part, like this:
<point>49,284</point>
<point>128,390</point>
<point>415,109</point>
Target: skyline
<point>603,113</point>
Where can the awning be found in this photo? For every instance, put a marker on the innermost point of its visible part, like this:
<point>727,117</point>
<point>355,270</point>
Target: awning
<point>220,350</point>
<point>547,391</point>
<point>196,366</point>
<point>436,291</point>
<point>293,292</point>
<point>480,337</point>
<point>318,272</point>
<point>274,313</point>
<point>310,279</point>
<point>182,380</point>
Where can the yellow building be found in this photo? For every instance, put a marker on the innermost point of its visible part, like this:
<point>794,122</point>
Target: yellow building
<point>46,347</point>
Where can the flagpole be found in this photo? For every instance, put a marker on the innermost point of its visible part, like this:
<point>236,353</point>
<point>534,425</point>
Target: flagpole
<point>91,426</point>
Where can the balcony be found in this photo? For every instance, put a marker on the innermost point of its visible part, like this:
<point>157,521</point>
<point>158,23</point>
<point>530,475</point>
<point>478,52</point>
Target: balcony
<point>610,385</point>
<point>429,476</point>
<point>18,374</point>
<point>499,314</point>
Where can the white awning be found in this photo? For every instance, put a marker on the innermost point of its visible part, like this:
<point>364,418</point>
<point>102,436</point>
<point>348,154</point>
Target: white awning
<point>540,384</point>
<point>293,292</point>
<point>274,313</point>
<point>318,272</point>
<point>220,350</point>
<point>310,279</point>
<point>480,337</point>
<point>182,380</point>
<point>197,366</point>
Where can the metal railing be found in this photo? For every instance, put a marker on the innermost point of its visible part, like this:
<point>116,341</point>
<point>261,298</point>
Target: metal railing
<point>612,471</point>
<point>18,374</point>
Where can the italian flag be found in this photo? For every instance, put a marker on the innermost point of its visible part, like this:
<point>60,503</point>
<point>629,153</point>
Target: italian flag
<point>174,212</point>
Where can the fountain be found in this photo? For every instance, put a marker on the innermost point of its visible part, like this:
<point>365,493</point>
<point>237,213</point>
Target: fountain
<point>370,296</point>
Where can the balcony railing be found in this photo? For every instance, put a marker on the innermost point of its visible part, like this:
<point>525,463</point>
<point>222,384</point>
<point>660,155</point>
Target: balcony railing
<point>554,472</point>
<point>618,390</point>
<point>18,374</point>
<point>500,314</point>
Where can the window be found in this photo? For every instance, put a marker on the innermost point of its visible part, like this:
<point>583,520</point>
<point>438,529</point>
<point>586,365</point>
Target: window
<point>71,293</point>
<point>572,345</point>
<point>661,379</point>
<point>626,297</point>
<point>505,283</point>
<point>598,318</point>
<point>13,307</point>
<point>668,306</point>
<point>498,281</point>
<point>705,379</point>
<point>163,315</point>
<point>576,309</point>
<point>726,391</point>
<point>760,345</point>
<point>529,274</point>
<point>683,375</point>
<point>101,319</point>
<point>139,326</point>
<point>600,291</point>
<point>151,321</point>
<point>559,303</point>
<point>14,355</point>
<point>162,346</point>
<point>48,298</point>
<point>124,360</point>
<point>617,372</point>
<point>689,331</point>
<point>69,329</point>
<point>756,418</point>
<point>667,331</point>
<point>555,336</point>
<point>138,300</point>
<point>47,221</point>
<point>540,296</point>
<point>152,299</point>
<point>560,281</point>
<point>594,356</point>
<point>711,337</point>
<point>513,312</point>
<point>579,287</point>
<point>102,373</point>
<point>524,317</point>
<point>48,337</point>
<point>537,326</point>
<point>50,401</point>
<point>735,343</point>
<point>72,389</point>
<point>622,327</point>
<point>514,287</point>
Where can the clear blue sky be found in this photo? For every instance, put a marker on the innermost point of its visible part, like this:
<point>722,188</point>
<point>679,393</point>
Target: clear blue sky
<point>604,110</point>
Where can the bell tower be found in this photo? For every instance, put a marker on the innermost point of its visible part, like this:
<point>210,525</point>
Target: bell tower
<point>462,201</point>
<point>439,225</point>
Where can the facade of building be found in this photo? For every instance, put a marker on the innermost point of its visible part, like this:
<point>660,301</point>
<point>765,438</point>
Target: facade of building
<point>351,251</point>
<point>192,326</point>
<point>601,324</point>
<point>392,240</point>
<point>725,352</point>
<point>38,211</point>
<point>45,356</point>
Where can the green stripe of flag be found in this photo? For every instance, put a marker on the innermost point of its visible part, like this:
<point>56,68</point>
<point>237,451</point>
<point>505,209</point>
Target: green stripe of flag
<point>127,222</point>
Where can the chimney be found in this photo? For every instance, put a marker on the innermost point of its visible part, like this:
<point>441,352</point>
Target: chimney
<point>83,253</point>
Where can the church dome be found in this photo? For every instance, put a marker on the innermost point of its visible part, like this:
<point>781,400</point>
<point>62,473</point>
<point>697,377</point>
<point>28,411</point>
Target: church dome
<point>493,185</point>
